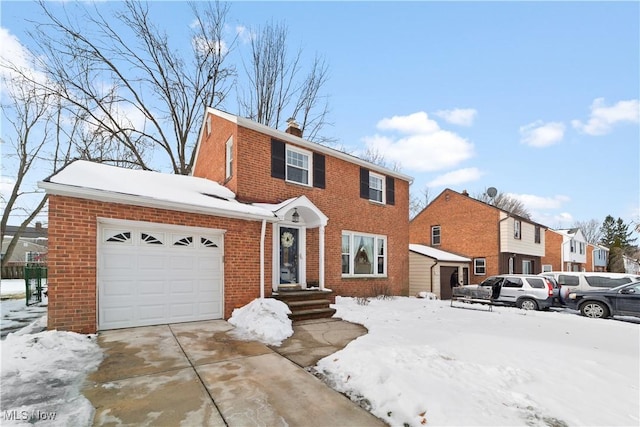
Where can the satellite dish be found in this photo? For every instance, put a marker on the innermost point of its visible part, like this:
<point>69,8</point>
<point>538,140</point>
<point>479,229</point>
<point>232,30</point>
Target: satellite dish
<point>491,192</point>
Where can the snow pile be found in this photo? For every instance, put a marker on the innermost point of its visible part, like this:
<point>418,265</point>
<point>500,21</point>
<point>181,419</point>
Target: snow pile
<point>426,363</point>
<point>12,288</point>
<point>264,319</point>
<point>42,376</point>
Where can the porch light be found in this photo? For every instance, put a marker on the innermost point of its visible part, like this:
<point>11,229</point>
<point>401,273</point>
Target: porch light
<point>296,216</point>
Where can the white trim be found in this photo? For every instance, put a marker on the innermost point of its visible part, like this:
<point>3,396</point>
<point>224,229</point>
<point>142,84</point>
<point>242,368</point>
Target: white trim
<point>228,160</point>
<point>144,201</point>
<point>374,261</point>
<point>382,190</point>
<point>309,169</point>
<point>283,136</point>
<point>475,271</point>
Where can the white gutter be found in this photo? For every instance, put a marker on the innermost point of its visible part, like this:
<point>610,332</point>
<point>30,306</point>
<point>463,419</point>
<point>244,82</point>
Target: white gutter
<point>144,201</point>
<point>263,232</point>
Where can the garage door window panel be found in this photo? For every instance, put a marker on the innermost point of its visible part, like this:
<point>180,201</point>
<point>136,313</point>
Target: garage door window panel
<point>117,236</point>
<point>183,241</point>
<point>152,239</point>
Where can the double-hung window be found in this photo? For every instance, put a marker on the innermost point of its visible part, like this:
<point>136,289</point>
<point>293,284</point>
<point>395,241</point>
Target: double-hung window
<point>517,225</point>
<point>363,254</point>
<point>435,235</point>
<point>376,187</point>
<point>479,266</point>
<point>298,165</point>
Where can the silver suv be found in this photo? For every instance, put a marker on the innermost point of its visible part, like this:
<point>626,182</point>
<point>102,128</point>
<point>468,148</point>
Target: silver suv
<point>525,291</point>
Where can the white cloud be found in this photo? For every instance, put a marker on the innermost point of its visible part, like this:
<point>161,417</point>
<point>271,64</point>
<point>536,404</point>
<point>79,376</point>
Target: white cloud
<point>458,116</point>
<point>539,134</point>
<point>413,123</point>
<point>425,148</point>
<point>603,118</point>
<point>14,54</point>
<point>533,202</point>
<point>203,45</point>
<point>456,177</point>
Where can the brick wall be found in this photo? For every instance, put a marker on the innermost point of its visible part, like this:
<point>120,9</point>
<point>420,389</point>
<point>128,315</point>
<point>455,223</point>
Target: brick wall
<point>552,250</point>
<point>72,256</point>
<point>340,201</point>
<point>467,227</point>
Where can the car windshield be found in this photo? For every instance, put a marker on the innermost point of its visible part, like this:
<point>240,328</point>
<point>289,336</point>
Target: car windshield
<point>617,288</point>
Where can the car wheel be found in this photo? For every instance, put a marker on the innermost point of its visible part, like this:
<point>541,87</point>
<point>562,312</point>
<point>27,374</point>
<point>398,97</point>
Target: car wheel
<point>527,304</point>
<point>594,309</point>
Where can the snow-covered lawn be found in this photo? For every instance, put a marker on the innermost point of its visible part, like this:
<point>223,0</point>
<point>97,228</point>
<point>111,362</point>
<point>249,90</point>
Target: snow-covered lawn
<point>422,363</point>
<point>426,363</point>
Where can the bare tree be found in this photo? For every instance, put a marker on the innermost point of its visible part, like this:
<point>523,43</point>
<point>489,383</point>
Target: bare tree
<point>275,91</point>
<point>591,230</point>
<point>418,202</point>
<point>130,85</point>
<point>28,112</point>
<point>505,202</point>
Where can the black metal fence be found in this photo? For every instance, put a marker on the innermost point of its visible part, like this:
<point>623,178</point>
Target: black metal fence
<point>35,277</point>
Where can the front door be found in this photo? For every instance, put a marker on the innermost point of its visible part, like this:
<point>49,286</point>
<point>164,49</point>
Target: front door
<point>289,268</point>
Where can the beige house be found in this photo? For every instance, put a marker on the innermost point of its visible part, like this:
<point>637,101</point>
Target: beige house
<point>434,270</point>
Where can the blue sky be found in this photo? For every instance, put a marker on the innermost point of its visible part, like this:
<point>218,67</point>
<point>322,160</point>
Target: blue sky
<point>537,99</point>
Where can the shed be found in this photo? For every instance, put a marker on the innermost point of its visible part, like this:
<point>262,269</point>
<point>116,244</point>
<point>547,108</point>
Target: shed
<point>431,270</point>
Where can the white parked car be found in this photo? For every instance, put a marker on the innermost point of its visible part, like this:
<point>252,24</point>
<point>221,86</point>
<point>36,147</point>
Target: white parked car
<point>529,292</point>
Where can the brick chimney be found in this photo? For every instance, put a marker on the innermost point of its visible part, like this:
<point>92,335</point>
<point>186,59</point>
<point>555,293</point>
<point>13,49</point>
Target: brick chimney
<point>38,226</point>
<point>294,128</point>
<point>465,193</point>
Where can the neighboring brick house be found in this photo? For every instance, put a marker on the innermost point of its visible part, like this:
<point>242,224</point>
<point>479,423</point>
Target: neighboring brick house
<point>566,250</point>
<point>597,257</point>
<point>264,209</point>
<point>496,241</point>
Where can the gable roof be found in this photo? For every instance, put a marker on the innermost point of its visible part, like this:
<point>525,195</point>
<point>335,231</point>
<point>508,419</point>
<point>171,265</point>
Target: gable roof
<point>97,181</point>
<point>437,254</point>
<point>521,218</point>
<point>301,142</point>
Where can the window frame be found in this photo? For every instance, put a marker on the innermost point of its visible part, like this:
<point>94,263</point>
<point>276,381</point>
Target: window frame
<point>477,266</point>
<point>433,235</point>
<point>382,189</point>
<point>229,158</point>
<point>536,234</point>
<point>309,155</point>
<point>529,269</point>
<point>517,229</point>
<point>377,258</point>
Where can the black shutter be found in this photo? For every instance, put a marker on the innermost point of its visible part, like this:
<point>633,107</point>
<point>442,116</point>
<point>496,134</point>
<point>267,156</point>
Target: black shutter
<point>391,193</point>
<point>318,171</point>
<point>364,183</point>
<point>277,159</point>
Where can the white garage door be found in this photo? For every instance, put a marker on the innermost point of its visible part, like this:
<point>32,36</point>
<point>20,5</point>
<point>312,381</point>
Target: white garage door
<point>152,274</point>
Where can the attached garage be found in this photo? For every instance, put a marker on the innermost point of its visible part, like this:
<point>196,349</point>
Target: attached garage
<point>151,274</point>
<point>431,270</point>
<point>131,248</point>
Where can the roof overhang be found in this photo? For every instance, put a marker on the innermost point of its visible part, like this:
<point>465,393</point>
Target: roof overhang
<point>143,201</point>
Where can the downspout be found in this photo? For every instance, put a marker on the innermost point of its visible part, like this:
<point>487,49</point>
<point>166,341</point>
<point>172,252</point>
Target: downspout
<point>263,233</point>
<point>431,281</point>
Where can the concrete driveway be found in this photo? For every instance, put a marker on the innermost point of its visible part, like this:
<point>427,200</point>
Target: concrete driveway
<point>198,374</point>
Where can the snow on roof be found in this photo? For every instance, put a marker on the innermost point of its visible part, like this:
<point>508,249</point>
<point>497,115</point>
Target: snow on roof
<point>437,253</point>
<point>146,188</point>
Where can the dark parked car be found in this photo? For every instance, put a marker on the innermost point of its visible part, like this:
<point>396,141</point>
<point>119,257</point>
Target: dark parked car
<point>619,301</point>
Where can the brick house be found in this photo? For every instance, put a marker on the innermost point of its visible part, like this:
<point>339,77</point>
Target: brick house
<point>496,241</point>
<point>565,250</point>
<point>264,209</point>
